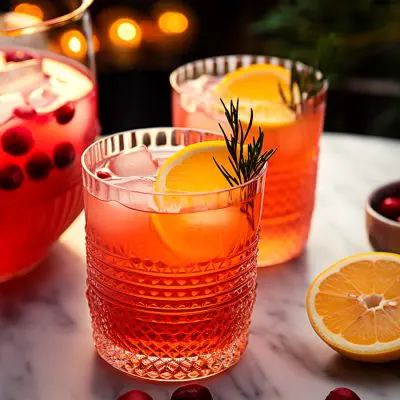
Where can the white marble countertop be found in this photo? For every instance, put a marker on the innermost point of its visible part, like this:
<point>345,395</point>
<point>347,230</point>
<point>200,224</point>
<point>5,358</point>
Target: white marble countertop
<point>46,350</point>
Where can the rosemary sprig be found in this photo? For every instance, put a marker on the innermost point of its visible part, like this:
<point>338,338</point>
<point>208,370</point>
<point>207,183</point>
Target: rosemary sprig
<point>248,164</point>
<point>305,82</point>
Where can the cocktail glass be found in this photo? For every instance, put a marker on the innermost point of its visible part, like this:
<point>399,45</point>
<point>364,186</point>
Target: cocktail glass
<point>289,195</point>
<point>171,277</point>
<point>48,116</point>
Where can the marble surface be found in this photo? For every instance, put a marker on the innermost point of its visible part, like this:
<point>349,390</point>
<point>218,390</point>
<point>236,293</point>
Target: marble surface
<point>46,351</point>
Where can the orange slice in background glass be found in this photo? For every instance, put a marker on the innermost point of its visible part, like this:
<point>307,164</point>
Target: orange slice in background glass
<point>257,86</point>
<point>354,306</point>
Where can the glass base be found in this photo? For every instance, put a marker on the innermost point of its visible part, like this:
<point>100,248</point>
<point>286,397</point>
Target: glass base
<point>170,369</point>
<point>274,252</point>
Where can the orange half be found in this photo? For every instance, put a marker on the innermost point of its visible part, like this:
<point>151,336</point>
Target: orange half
<point>354,306</point>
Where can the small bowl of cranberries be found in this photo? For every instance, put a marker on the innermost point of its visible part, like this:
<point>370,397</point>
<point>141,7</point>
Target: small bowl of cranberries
<point>383,218</point>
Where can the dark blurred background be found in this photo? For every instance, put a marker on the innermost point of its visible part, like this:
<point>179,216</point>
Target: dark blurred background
<point>355,42</point>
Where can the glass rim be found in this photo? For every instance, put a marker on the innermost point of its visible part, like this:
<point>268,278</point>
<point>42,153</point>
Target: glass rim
<point>49,23</point>
<point>108,183</point>
<point>173,77</point>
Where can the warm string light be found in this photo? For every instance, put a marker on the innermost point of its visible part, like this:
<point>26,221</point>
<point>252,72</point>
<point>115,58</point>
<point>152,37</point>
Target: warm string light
<point>96,43</point>
<point>73,44</point>
<point>122,32</point>
<point>30,9</point>
<point>173,22</point>
<point>125,32</point>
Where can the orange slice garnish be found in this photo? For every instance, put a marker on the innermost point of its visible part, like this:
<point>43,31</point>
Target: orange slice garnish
<point>201,227</point>
<point>257,86</point>
<point>354,306</point>
<point>192,169</point>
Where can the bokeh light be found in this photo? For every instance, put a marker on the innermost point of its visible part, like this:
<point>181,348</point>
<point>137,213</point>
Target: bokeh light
<point>30,9</point>
<point>96,43</point>
<point>173,22</point>
<point>125,32</point>
<point>73,44</point>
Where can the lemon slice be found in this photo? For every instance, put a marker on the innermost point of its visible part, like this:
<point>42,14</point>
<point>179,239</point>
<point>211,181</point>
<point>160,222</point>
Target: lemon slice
<point>257,86</point>
<point>200,227</point>
<point>354,306</point>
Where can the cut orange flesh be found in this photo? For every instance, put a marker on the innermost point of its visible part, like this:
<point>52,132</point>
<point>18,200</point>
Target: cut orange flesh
<point>354,306</point>
<point>205,226</point>
<point>259,86</point>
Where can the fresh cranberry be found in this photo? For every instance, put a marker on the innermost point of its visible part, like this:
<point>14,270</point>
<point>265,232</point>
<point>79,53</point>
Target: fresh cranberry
<point>17,141</point>
<point>11,177</point>
<point>64,155</point>
<point>342,394</point>
<point>39,166</point>
<point>390,207</point>
<point>135,395</point>
<point>65,113</point>
<point>192,392</point>
<point>103,173</point>
<point>18,56</point>
<point>25,112</point>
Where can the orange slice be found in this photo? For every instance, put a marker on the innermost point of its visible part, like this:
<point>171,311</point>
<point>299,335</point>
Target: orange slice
<point>200,227</point>
<point>192,169</point>
<point>354,306</point>
<point>257,86</point>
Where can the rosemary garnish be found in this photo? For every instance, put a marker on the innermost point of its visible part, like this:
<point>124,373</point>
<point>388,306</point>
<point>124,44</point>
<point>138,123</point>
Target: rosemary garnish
<point>305,82</point>
<point>245,164</point>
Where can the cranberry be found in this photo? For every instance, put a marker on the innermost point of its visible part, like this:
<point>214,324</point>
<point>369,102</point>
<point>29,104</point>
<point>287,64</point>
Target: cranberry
<point>39,166</point>
<point>25,112</point>
<point>65,113</point>
<point>135,395</point>
<point>11,177</point>
<point>390,207</point>
<point>64,155</point>
<point>17,141</point>
<point>342,394</point>
<point>18,56</point>
<point>103,173</point>
<point>192,392</point>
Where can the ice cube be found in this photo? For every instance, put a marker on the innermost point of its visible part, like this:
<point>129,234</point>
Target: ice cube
<point>45,100</point>
<point>23,76</point>
<point>67,81</point>
<point>134,162</point>
<point>8,103</point>
<point>191,92</point>
<point>198,92</point>
<point>137,194</point>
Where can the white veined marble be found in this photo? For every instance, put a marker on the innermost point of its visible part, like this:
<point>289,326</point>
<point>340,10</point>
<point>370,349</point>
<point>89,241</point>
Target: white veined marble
<point>46,351</point>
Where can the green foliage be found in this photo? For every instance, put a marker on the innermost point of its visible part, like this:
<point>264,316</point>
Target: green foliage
<point>331,34</point>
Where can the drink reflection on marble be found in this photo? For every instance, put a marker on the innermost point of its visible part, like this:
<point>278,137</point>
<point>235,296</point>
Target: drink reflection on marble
<point>289,195</point>
<point>48,116</point>
<point>171,277</point>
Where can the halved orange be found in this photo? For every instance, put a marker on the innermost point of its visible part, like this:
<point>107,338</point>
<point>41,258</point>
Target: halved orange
<point>257,86</point>
<point>354,306</point>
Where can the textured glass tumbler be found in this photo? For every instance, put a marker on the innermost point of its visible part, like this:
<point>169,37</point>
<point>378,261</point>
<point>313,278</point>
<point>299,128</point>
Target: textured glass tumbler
<point>289,195</point>
<point>171,277</point>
